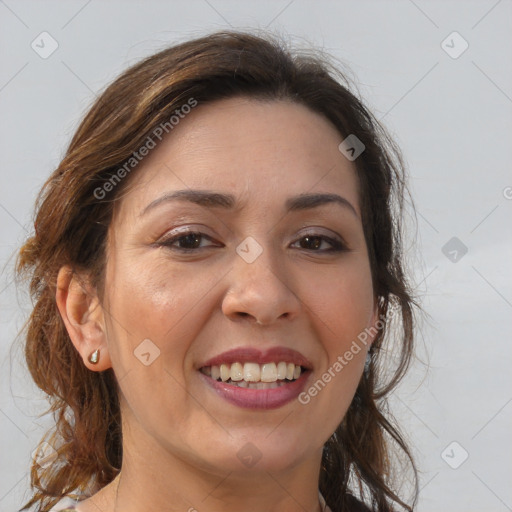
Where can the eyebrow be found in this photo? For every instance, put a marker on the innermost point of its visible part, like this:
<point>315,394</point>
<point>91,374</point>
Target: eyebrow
<point>211,199</point>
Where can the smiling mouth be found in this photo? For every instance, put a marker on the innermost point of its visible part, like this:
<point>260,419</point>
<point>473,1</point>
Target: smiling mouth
<point>253,375</point>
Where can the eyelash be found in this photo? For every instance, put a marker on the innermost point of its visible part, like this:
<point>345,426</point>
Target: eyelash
<point>336,245</point>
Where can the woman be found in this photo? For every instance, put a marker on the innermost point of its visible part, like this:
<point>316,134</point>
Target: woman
<point>215,266</point>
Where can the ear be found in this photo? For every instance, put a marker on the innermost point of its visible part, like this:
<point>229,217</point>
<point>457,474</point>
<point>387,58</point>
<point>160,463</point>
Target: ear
<point>83,316</point>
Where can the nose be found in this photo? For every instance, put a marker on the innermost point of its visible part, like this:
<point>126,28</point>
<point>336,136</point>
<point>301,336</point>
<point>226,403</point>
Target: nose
<point>260,291</point>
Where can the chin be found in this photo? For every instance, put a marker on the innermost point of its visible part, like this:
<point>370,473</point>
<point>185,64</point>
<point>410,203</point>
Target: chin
<point>253,453</point>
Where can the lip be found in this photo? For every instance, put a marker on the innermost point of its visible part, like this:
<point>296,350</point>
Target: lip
<point>254,355</point>
<point>258,398</point>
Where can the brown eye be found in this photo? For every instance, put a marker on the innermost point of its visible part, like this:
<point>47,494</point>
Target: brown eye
<point>188,242</point>
<point>311,242</point>
<point>320,244</point>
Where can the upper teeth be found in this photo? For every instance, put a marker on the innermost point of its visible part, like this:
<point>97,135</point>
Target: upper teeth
<point>254,372</point>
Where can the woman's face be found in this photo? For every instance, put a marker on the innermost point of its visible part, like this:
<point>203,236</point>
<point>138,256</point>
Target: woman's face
<point>225,257</point>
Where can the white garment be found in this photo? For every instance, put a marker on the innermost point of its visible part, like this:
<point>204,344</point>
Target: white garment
<point>64,503</point>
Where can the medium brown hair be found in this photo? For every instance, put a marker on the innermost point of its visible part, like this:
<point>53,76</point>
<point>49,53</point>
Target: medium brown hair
<point>71,226</point>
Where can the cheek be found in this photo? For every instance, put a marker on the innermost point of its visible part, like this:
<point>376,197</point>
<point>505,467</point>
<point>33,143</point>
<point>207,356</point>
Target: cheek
<point>342,303</point>
<point>156,302</point>
<point>155,314</point>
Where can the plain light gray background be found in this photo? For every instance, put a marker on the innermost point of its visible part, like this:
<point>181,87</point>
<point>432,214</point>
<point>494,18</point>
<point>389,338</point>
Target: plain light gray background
<point>449,111</point>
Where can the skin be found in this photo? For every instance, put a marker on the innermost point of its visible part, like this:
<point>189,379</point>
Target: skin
<point>180,439</point>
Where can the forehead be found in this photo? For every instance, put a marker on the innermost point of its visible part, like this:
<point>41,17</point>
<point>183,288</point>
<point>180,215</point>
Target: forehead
<point>259,151</point>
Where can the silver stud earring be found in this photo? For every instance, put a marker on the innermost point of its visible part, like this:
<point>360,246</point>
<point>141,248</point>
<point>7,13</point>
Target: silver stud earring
<point>94,357</point>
